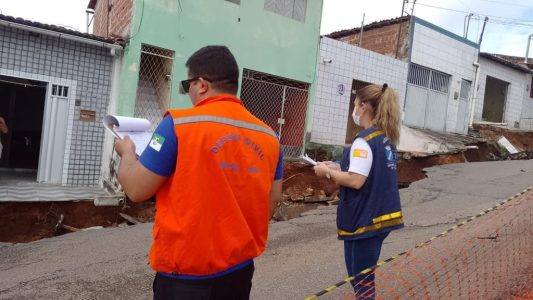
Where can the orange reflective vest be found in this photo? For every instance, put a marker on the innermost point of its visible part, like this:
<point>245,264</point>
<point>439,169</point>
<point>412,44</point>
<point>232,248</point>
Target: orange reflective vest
<point>213,212</point>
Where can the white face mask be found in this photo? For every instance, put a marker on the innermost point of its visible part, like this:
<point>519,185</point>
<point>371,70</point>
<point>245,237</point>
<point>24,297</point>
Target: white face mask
<point>356,118</point>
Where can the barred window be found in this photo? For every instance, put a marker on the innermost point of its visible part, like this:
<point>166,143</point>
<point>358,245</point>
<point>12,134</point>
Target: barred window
<point>294,9</point>
<point>428,78</point>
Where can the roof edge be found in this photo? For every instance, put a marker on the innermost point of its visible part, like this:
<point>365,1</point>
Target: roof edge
<point>23,24</point>
<point>496,58</point>
<point>378,24</point>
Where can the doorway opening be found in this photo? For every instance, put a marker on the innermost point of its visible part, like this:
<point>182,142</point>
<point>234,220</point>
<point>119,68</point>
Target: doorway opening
<point>22,104</point>
<point>351,128</point>
<point>494,103</point>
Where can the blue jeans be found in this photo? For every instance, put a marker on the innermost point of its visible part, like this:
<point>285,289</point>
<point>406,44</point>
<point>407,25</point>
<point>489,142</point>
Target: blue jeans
<point>359,255</point>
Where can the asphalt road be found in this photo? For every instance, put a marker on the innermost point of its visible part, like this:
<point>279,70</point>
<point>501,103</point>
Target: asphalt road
<point>303,255</point>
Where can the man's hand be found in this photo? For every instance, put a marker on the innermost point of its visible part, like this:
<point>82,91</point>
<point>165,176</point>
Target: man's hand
<point>124,146</point>
<point>138,182</point>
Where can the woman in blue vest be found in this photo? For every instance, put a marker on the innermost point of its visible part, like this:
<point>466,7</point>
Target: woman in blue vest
<point>369,206</point>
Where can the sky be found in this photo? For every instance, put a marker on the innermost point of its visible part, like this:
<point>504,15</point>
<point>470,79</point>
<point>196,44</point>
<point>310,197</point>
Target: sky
<point>510,21</point>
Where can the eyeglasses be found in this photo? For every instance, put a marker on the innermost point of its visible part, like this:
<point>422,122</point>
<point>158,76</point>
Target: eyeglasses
<point>186,84</point>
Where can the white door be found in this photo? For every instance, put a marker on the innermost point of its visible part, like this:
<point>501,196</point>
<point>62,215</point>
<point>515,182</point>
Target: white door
<point>462,112</point>
<point>415,106</point>
<point>54,135</point>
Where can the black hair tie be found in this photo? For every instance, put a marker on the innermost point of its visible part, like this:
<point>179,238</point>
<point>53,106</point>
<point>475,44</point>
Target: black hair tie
<point>384,87</point>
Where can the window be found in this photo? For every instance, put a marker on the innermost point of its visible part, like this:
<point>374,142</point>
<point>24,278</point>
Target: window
<point>428,78</point>
<point>59,90</point>
<point>238,2</point>
<point>439,81</point>
<point>294,9</point>
<point>419,75</point>
<point>465,89</point>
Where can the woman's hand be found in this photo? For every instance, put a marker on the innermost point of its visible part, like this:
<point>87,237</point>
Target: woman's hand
<point>321,169</point>
<point>332,165</point>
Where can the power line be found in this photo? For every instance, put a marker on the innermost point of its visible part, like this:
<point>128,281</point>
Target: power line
<point>466,12</point>
<point>464,4</point>
<point>504,22</point>
<point>506,3</point>
<point>511,23</point>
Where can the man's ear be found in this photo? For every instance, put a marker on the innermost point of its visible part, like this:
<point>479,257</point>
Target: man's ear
<point>203,86</point>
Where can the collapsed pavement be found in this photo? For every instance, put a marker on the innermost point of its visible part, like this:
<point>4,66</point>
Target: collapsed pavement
<point>302,190</point>
<point>302,257</point>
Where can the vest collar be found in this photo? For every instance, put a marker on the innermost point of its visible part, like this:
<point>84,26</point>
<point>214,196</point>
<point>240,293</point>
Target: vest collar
<point>217,98</point>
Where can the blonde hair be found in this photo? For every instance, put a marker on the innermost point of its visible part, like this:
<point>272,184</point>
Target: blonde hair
<point>386,109</point>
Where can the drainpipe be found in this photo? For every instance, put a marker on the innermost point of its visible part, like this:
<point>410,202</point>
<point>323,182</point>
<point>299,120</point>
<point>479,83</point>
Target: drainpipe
<point>474,94</point>
<point>361,33</point>
<point>527,48</point>
<point>89,20</point>
<point>476,78</point>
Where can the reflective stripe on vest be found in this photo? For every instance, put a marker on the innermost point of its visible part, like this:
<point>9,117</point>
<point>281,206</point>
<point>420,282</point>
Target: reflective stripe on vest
<point>387,217</point>
<point>222,120</point>
<point>373,135</point>
<point>386,221</point>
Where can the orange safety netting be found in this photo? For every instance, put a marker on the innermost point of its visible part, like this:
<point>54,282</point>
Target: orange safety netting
<point>488,256</point>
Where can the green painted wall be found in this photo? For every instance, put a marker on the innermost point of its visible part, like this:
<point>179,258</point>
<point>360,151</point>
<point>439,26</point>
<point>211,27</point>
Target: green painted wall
<point>260,40</point>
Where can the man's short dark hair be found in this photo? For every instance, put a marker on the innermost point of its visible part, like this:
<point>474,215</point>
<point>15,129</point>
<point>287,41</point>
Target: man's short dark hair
<point>217,64</point>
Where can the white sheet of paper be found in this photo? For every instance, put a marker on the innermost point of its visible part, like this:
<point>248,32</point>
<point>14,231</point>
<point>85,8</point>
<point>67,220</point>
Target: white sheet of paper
<point>309,160</point>
<point>135,128</point>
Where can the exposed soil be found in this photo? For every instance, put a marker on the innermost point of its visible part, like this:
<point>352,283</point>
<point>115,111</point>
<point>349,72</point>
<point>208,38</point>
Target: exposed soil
<point>300,176</point>
<point>30,221</point>
<point>411,170</point>
<point>522,140</point>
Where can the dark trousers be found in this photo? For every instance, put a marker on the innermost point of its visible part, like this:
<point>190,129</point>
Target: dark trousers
<point>359,255</point>
<point>233,286</point>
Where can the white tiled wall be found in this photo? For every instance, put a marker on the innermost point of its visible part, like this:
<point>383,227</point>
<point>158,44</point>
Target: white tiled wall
<point>516,93</point>
<point>443,53</point>
<point>526,120</point>
<point>331,109</point>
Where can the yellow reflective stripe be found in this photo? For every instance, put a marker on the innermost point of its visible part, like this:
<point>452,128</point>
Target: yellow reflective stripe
<point>387,217</point>
<point>373,227</point>
<point>373,135</point>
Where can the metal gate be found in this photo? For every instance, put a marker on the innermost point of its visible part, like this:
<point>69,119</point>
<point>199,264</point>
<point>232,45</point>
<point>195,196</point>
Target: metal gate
<point>426,104</point>
<point>154,85</point>
<point>281,104</point>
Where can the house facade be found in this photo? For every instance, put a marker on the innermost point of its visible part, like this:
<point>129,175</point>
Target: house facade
<point>504,93</point>
<point>342,70</point>
<point>55,86</point>
<point>275,43</point>
<point>441,69</point>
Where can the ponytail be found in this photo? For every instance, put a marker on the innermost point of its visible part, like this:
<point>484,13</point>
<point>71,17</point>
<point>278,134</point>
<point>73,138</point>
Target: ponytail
<point>384,102</point>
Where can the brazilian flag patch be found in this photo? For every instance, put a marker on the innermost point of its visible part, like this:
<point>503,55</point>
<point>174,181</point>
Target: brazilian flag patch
<point>157,142</point>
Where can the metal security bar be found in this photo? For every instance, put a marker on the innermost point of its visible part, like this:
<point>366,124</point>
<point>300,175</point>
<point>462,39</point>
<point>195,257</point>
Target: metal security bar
<point>428,78</point>
<point>153,88</point>
<point>281,104</point>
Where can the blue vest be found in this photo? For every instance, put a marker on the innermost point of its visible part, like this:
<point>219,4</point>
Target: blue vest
<point>375,208</point>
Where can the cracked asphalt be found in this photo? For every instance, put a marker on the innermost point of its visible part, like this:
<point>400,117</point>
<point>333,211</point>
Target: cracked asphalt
<point>303,255</point>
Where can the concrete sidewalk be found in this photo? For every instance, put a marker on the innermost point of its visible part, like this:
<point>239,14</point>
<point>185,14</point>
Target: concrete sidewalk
<point>303,255</point>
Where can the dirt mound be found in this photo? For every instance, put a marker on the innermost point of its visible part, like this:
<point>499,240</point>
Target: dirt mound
<point>522,140</point>
<point>299,177</point>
